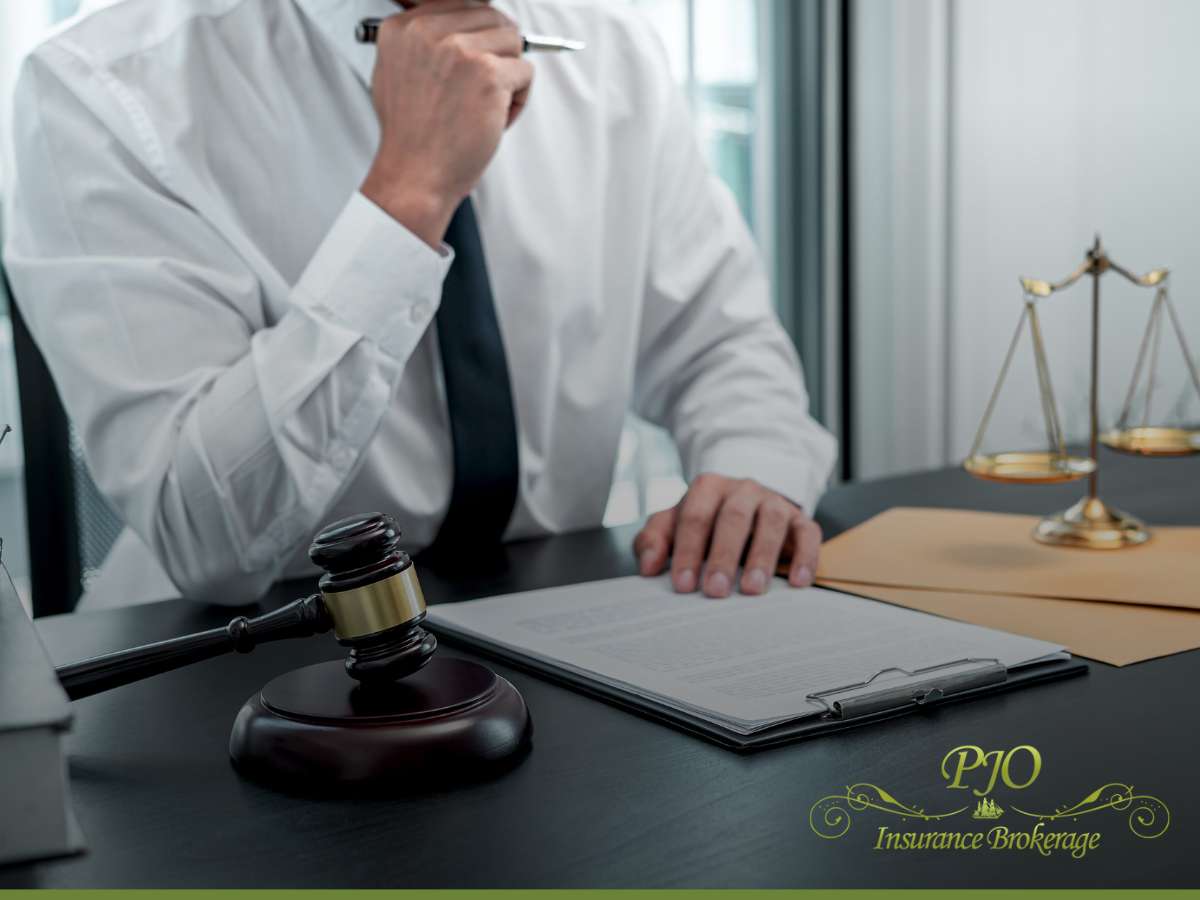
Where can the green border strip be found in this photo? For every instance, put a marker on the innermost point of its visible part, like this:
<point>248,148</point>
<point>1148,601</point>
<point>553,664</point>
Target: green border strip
<point>1002,894</point>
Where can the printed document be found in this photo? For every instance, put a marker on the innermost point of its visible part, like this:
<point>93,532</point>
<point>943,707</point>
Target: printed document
<point>744,663</point>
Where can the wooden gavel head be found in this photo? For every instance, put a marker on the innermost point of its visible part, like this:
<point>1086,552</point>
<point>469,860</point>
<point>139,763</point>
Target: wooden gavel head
<point>372,594</point>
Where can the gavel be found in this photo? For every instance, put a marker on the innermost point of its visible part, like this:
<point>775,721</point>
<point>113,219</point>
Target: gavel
<point>369,595</point>
<point>400,713</point>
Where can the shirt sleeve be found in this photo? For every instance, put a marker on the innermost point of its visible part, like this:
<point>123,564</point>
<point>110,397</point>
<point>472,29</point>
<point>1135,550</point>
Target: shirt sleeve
<point>222,439</point>
<point>715,366</point>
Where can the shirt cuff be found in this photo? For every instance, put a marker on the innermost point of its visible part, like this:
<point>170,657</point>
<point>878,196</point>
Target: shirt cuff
<point>374,275</point>
<point>800,480</point>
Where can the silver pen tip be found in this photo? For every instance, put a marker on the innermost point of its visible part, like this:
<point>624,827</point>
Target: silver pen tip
<point>552,43</point>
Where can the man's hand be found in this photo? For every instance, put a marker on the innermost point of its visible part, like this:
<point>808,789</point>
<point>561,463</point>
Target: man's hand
<point>719,516</point>
<point>449,79</point>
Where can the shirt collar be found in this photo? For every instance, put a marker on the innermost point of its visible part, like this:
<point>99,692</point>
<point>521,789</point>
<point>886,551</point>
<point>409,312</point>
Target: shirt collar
<point>337,19</point>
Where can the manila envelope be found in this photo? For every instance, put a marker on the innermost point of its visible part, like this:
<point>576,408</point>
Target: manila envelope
<point>1115,633</point>
<point>991,553</point>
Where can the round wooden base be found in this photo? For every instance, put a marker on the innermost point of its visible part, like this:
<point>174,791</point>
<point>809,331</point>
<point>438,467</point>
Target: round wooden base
<point>316,729</point>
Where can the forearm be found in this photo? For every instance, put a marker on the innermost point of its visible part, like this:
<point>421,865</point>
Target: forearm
<point>739,408</point>
<point>716,368</point>
<point>247,475</point>
<point>274,438</point>
<point>222,445</point>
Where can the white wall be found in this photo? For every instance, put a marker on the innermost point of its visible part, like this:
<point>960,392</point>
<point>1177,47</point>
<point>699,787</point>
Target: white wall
<point>898,240</point>
<point>1014,131</point>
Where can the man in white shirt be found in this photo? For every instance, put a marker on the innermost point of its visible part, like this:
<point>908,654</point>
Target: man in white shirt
<point>225,227</point>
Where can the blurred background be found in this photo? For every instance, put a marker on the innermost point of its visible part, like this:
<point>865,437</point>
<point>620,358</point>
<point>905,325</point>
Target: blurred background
<point>901,163</point>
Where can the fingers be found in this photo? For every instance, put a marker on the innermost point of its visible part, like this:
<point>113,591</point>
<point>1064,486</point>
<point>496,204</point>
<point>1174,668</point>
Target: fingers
<point>438,19</point>
<point>516,75</point>
<point>709,531</point>
<point>519,100</point>
<point>475,30</point>
<point>735,519</point>
<point>806,548</point>
<point>697,513</point>
<point>439,7</point>
<point>467,20</point>
<point>770,531</point>
<point>503,41</point>
<point>653,543</point>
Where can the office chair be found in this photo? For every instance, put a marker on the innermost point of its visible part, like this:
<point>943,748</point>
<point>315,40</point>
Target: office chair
<point>71,527</point>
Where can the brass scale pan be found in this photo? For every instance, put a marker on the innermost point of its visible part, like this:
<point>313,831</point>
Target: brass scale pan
<point>1055,467</point>
<point>1049,467</point>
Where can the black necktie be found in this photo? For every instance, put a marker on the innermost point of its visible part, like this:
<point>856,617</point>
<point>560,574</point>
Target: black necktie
<point>479,396</point>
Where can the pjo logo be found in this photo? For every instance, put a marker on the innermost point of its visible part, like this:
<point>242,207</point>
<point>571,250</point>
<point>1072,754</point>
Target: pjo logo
<point>1017,768</point>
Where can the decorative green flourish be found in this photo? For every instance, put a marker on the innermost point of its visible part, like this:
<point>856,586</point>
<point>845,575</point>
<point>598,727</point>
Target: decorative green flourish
<point>1143,817</point>
<point>829,817</point>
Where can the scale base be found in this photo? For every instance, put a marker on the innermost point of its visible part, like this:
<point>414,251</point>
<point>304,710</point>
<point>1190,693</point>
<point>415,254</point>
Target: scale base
<point>1093,525</point>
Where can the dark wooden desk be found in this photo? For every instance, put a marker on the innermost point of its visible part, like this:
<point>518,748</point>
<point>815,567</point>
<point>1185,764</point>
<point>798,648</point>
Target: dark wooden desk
<point>609,799</point>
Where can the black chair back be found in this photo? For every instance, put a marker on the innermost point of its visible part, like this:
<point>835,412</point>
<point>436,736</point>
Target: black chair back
<point>71,527</point>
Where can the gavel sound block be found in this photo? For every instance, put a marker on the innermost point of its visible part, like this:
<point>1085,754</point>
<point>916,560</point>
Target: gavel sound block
<point>393,711</point>
<point>402,710</point>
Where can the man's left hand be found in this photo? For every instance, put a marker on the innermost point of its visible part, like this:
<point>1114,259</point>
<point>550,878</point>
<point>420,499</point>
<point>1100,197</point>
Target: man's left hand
<point>706,533</point>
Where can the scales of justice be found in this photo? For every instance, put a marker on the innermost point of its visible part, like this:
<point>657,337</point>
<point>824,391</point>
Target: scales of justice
<point>1092,523</point>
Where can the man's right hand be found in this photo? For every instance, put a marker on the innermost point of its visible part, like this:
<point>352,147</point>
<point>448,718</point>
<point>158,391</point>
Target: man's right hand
<point>449,79</point>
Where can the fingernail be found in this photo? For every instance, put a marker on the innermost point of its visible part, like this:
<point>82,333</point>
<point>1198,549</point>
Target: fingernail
<point>755,582</point>
<point>804,577</point>
<point>646,561</point>
<point>685,581</point>
<point>718,585</point>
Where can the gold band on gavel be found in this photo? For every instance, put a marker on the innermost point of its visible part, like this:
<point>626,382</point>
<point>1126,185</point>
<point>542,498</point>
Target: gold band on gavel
<point>376,607</point>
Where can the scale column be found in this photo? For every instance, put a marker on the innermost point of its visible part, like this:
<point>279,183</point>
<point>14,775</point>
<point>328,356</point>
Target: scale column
<point>1094,442</point>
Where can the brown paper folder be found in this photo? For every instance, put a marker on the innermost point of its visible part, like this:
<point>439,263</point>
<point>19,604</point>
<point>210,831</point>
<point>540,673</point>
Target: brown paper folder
<point>1116,606</point>
<point>1115,633</point>
<point>990,553</point>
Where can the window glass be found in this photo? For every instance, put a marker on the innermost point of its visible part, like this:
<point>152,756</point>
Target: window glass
<point>726,71</point>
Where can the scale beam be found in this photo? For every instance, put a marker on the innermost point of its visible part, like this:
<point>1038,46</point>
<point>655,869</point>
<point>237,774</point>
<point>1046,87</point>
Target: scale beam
<point>1097,263</point>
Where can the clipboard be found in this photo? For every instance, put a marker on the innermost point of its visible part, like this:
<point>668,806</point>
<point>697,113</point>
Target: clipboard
<point>889,693</point>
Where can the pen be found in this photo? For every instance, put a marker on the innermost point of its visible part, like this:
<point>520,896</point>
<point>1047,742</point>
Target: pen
<point>368,30</point>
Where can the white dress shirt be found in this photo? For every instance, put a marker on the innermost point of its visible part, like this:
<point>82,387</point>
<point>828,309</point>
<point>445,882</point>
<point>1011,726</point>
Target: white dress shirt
<point>245,342</point>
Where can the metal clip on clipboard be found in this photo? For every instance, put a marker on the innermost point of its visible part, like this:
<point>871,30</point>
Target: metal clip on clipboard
<point>917,687</point>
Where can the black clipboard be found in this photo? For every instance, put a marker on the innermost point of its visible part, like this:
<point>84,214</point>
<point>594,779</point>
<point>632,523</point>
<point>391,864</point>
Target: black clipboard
<point>848,706</point>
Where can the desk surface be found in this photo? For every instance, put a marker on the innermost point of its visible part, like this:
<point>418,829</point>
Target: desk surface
<point>607,799</point>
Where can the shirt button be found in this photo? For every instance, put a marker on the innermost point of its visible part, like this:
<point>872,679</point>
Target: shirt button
<point>419,312</point>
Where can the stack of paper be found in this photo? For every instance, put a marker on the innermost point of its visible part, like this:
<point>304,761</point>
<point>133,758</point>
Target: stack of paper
<point>1118,606</point>
<point>744,664</point>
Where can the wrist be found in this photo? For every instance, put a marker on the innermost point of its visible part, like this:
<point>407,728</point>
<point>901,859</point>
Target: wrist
<point>424,212</point>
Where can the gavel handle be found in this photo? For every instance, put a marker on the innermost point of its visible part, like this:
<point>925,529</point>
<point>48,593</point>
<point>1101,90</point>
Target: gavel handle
<point>300,618</point>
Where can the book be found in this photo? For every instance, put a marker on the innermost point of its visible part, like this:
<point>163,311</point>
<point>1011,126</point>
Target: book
<point>36,820</point>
